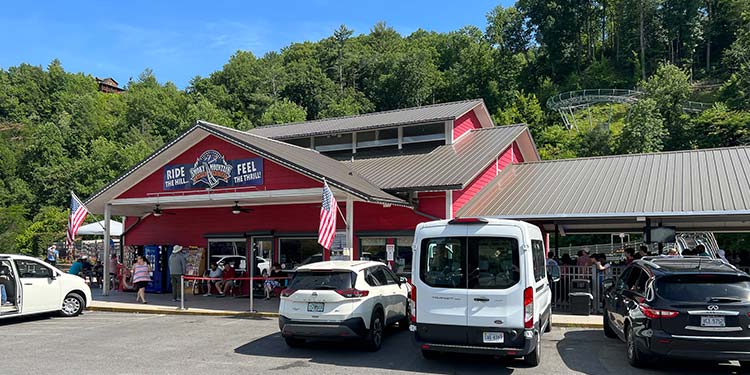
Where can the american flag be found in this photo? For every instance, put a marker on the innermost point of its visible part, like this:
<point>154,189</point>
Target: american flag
<point>327,228</point>
<point>78,212</point>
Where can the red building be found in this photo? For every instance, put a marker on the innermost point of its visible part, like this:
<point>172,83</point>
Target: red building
<point>226,190</point>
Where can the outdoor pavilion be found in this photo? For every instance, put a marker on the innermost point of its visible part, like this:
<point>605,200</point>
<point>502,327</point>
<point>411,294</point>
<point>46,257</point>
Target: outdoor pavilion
<point>695,190</point>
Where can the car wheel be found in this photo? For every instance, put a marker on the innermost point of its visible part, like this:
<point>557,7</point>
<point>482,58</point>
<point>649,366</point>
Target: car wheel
<point>608,331</point>
<point>293,342</point>
<point>430,354</point>
<point>745,366</point>
<point>375,335</point>
<point>636,357</point>
<point>532,359</point>
<point>72,305</point>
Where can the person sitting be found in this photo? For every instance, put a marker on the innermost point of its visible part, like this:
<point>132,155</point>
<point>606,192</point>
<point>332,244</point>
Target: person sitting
<point>76,268</point>
<point>270,283</point>
<point>226,279</point>
<point>672,252</point>
<point>215,274</point>
<point>7,287</point>
<point>629,255</point>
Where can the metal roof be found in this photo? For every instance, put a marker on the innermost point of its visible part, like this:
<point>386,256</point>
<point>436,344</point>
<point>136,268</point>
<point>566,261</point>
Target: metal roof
<point>682,183</point>
<point>307,161</point>
<point>448,166</point>
<point>429,113</point>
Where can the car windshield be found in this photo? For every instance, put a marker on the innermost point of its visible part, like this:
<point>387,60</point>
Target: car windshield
<point>336,280</point>
<point>704,288</point>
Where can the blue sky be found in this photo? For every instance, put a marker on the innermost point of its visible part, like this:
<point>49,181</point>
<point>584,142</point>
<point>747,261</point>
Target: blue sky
<point>186,38</point>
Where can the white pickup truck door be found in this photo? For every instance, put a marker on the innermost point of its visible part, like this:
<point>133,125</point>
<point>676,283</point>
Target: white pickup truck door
<point>39,292</point>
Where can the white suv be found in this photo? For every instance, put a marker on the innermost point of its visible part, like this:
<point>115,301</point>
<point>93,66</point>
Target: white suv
<point>343,300</point>
<point>480,287</point>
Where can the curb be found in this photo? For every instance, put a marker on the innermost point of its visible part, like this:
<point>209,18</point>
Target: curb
<point>578,325</point>
<point>169,311</point>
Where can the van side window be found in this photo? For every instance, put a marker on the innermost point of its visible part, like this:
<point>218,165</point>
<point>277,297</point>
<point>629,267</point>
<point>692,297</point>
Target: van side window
<point>442,262</point>
<point>540,263</point>
<point>31,269</point>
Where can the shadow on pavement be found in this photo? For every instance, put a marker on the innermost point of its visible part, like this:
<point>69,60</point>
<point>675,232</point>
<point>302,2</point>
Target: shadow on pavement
<point>590,352</point>
<point>397,353</point>
<point>27,319</point>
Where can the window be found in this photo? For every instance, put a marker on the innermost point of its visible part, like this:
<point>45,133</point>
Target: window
<point>702,288</point>
<point>494,262</point>
<point>295,252</point>
<point>424,133</point>
<point>336,142</point>
<point>442,263</point>
<point>32,269</point>
<point>636,280</point>
<point>378,276</point>
<point>537,253</point>
<point>373,248</point>
<point>302,142</point>
<point>377,138</point>
<point>323,280</point>
<point>220,248</point>
<point>403,254</point>
<point>392,278</point>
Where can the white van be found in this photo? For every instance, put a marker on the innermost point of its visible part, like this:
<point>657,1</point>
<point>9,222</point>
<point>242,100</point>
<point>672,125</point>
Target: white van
<point>480,287</point>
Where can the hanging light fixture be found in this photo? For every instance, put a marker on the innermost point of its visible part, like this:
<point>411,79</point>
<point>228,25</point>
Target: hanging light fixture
<point>236,209</point>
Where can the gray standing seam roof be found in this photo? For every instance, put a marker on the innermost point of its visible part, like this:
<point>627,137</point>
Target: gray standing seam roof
<point>308,160</point>
<point>694,182</point>
<point>429,113</point>
<point>447,166</point>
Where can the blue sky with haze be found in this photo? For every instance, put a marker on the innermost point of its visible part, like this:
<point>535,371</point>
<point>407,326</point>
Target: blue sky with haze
<point>182,39</point>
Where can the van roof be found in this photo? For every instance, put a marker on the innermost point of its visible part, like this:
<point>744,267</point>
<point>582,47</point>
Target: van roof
<point>488,219</point>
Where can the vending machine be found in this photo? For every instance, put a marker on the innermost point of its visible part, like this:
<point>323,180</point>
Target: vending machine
<point>158,257</point>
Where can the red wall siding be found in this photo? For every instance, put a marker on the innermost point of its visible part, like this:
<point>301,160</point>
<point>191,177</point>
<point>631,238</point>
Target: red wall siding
<point>461,197</point>
<point>465,123</point>
<point>375,217</point>
<point>275,176</point>
<point>432,203</point>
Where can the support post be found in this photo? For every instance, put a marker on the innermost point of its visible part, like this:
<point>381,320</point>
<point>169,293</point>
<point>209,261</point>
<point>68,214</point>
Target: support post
<point>105,261</point>
<point>350,226</point>
<point>557,242</point>
<point>182,291</point>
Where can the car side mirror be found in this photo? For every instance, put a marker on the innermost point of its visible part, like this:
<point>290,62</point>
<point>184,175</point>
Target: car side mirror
<point>402,280</point>
<point>607,283</point>
<point>53,276</point>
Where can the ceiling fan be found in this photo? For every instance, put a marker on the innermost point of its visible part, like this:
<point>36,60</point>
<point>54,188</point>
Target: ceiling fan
<point>158,211</point>
<point>236,209</point>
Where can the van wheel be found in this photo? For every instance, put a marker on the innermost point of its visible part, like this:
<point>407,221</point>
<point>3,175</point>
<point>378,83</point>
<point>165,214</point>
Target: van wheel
<point>72,305</point>
<point>430,354</point>
<point>608,331</point>
<point>294,342</point>
<point>532,359</point>
<point>548,327</point>
<point>375,336</point>
<point>636,357</point>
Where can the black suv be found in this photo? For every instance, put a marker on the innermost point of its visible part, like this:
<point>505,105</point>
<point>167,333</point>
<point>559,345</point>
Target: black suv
<point>694,308</point>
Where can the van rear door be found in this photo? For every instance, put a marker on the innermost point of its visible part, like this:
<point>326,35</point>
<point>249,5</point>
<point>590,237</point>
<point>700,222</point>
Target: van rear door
<point>495,294</point>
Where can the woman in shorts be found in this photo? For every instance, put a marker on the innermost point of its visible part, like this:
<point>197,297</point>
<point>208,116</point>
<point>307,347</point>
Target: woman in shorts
<point>141,278</point>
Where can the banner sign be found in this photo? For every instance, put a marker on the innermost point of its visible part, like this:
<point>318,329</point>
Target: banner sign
<point>211,170</point>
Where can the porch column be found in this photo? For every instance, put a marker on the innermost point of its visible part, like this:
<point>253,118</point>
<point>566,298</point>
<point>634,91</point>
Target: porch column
<point>105,261</point>
<point>350,226</point>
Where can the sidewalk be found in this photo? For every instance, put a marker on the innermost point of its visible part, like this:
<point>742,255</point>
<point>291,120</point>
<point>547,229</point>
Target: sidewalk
<point>240,306</point>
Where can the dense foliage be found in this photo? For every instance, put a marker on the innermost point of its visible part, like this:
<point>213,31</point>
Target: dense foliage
<point>59,133</point>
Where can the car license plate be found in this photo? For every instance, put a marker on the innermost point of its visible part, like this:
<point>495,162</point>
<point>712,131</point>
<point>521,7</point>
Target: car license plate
<point>713,321</point>
<point>317,307</point>
<point>493,337</point>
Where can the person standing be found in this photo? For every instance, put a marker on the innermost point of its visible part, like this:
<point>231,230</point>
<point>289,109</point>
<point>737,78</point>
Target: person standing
<point>52,255</point>
<point>141,278</point>
<point>177,264</point>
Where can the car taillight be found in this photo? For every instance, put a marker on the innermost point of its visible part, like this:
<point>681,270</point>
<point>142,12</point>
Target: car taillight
<point>528,308</point>
<point>413,304</point>
<point>352,293</point>
<point>468,220</point>
<point>287,292</point>
<point>652,313</point>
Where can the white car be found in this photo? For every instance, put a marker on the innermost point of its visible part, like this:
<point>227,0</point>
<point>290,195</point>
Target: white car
<point>34,287</point>
<point>240,263</point>
<point>343,300</point>
<point>480,287</point>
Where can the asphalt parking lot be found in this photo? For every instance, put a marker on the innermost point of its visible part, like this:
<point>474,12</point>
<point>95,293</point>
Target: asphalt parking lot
<point>115,343</point>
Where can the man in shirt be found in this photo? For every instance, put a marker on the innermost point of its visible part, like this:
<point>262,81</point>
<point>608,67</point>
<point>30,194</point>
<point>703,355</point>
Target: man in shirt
<point>177,265</point>
<point>227,276</point>
<point>52,255</point>
<point>214,273</point>
<point>76,268</point>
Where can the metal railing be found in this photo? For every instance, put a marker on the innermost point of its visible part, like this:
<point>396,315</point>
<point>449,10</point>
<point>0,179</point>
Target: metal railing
<point>561,301</point>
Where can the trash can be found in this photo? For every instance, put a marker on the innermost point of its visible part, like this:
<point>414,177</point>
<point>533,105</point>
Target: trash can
<point>580,297</point>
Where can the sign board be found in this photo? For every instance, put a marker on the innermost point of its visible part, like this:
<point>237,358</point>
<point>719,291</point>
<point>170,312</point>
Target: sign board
<point>339,241</point>
<point>211,170</point>
<point>390,252</point>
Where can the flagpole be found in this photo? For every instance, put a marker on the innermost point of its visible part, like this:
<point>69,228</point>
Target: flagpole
<point>343,217</point>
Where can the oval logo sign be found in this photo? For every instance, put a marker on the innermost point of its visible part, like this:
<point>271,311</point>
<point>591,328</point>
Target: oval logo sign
<point>498,321</point>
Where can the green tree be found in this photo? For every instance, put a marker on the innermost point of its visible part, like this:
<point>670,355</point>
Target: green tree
<point>283,112</point>
<point>720,126</point>
<point>644,129</point>
<point>48,226</point>
<point>669,88</point>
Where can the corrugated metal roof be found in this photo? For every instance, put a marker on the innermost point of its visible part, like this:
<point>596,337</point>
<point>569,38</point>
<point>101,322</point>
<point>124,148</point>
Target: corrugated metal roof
<point>429,113</point>
<point>309,161</point>
<point>695,182</point>
<point>448,166</point>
